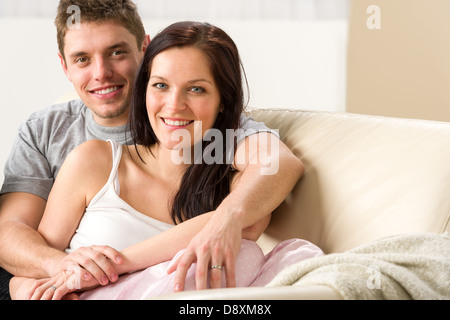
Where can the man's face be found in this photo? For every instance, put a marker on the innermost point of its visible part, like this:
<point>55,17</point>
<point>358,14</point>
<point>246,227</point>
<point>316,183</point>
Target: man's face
<point>101,61</point>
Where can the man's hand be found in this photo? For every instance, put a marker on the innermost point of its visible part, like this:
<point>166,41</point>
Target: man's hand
<point>98,262</point>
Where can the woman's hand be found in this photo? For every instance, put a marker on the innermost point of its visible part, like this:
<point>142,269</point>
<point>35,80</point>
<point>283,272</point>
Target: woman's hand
<point>217,244</point>
<point>61,286</point>
<point>54,288</point>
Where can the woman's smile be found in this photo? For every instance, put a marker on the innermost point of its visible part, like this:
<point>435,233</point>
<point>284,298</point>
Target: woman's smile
<point>176,123</point>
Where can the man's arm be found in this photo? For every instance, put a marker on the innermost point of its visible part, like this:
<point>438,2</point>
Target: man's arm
<point>216,236</point>
<point>26,252</point>
<point>252,199</point>
<point>20,214</point>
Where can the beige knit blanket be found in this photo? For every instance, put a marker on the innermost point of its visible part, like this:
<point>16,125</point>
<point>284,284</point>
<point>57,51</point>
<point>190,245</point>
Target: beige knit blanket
<point>405,266</point>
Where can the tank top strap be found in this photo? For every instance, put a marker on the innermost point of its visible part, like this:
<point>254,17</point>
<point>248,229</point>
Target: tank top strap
<point>116,156</point>
<point>113,180</point>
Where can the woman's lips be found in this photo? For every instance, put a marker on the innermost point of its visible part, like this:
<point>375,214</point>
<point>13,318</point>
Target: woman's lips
<point>176,123</point>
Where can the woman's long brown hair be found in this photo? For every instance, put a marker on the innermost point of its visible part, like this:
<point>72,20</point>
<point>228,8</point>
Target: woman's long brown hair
<point>203,186</point>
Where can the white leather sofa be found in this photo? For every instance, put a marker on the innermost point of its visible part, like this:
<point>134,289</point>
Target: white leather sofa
<point>366,178</point>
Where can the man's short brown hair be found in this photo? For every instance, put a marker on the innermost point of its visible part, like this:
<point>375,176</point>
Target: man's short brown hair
<point>122,12</point>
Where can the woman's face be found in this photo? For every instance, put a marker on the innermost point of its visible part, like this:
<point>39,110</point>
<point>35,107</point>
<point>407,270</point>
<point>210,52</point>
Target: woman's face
<point>181,95</point>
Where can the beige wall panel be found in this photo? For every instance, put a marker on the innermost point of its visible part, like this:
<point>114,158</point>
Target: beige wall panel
<point>401,69</point>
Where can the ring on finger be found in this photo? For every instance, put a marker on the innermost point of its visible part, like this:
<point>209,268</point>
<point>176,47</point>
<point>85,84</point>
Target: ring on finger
<point>216,267</point>
<point>53,287</point>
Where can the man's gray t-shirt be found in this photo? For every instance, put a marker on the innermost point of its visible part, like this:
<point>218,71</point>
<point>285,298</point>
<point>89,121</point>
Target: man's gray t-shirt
<point>48,136</point>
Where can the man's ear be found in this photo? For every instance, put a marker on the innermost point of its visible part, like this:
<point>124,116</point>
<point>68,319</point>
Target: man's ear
<point>145,43</point>
<point>64,66</point>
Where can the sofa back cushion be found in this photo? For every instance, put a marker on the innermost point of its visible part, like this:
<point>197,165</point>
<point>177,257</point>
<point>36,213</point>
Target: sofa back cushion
<point>366,177</point>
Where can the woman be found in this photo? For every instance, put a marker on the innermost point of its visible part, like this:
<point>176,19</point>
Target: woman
<point>189,82</point>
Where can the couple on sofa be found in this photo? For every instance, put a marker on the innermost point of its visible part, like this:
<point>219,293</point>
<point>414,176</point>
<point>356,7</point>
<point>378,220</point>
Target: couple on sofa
<point>119,203</point>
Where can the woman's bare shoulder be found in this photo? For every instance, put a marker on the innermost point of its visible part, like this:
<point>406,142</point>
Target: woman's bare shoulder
<point>91,152</point>
<point>92,158</point>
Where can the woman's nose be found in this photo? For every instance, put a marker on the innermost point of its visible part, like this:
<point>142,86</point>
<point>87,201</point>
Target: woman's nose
<point>177,100</point>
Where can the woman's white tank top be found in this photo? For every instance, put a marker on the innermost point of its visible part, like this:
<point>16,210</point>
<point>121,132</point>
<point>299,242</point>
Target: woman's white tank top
<point>111,221</point>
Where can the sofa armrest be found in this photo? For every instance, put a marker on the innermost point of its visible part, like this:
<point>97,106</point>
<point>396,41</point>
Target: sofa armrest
<point>316,292</point>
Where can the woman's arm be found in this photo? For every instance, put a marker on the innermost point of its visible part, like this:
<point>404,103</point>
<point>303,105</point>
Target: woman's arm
<point>83,173</point>
<point>254,196</point>
<point>244,213</point>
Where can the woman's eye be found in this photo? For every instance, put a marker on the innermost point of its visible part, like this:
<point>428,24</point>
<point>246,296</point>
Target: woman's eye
<point>160,86</point>
<point>197,90</point>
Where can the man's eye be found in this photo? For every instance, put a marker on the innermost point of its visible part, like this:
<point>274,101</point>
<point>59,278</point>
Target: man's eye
<point>81,60</point>
<point>118,52</point>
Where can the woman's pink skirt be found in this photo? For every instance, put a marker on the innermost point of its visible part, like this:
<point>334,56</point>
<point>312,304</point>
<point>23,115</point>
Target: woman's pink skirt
<point>253,269</point>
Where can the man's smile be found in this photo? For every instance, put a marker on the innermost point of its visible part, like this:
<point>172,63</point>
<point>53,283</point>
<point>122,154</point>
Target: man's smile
<point>106,92</point>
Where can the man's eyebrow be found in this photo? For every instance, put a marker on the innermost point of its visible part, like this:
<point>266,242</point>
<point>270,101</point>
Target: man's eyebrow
<point>121,44</point>
<point>78,54</point>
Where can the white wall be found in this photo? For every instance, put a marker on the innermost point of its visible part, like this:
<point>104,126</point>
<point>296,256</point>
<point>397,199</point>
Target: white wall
<point>289,63</point>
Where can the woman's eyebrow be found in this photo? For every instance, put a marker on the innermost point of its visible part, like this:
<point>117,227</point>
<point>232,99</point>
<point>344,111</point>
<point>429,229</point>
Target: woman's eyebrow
<point>200,80</point>
<point>159,77</point>
<point>190,81</point>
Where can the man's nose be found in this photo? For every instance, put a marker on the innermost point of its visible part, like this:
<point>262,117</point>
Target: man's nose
<point>103,69</point>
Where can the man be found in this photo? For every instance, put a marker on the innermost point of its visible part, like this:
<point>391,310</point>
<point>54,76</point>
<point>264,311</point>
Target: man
<point>100,58</point>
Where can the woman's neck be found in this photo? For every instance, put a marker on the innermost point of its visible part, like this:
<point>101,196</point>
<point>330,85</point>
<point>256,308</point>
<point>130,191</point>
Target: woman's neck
<point>160,161</point>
